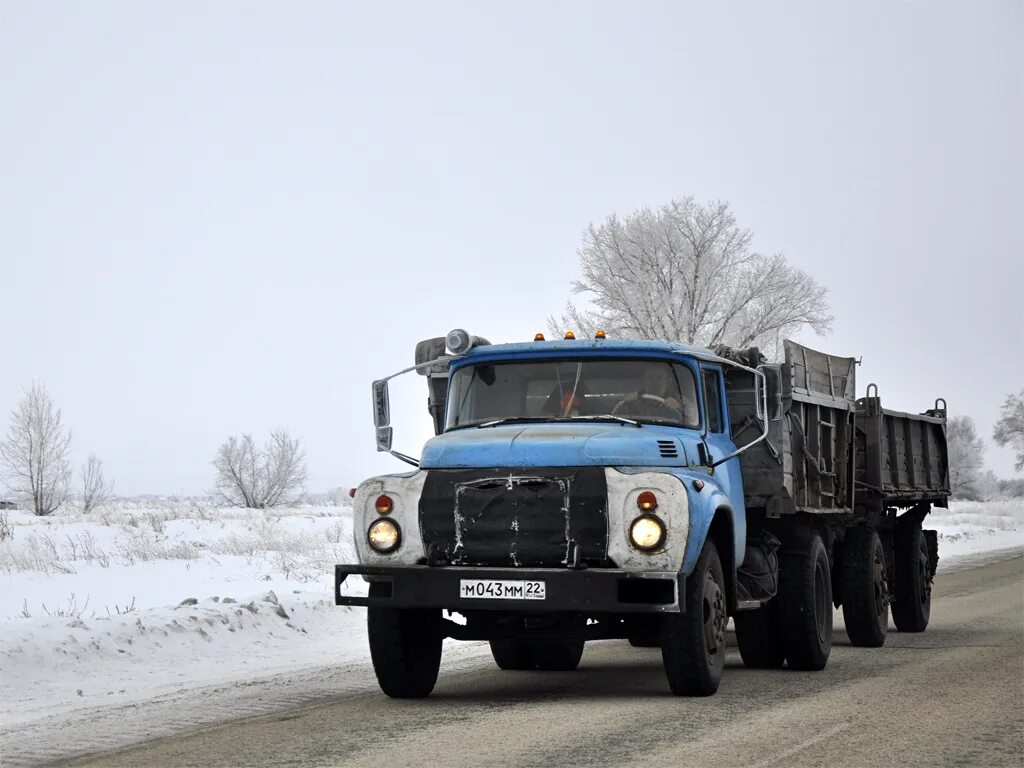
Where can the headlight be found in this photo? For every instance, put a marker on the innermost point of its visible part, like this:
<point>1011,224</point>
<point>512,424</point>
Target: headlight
<point>384,535</point>
<point>647,533</point>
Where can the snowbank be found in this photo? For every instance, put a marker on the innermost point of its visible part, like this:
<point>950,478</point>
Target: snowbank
<point>142,601</point>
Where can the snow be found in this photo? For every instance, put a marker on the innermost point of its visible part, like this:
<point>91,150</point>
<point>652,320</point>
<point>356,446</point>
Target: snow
<point>969,529</point>
<point>92,613</point>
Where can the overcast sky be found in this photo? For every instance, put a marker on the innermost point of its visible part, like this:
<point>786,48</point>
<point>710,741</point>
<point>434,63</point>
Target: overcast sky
<point>225,217</point>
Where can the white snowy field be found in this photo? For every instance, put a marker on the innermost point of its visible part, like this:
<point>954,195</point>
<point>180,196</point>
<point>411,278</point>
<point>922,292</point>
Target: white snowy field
<point>146,600</point>
<point>139,601</point>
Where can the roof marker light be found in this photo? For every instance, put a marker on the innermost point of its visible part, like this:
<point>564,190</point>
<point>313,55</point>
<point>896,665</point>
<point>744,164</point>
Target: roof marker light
<point>570,335</point>
<point>599,335</point>
<point>539,337</point>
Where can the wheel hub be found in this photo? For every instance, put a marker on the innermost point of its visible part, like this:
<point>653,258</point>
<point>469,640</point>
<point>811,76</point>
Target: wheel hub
<point>715,617</point>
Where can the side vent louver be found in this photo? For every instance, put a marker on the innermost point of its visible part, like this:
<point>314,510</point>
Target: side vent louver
<point>668,449</point>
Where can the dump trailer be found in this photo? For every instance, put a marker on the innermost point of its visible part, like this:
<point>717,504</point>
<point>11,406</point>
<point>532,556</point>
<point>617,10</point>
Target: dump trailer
<point>583,489</point>
<point>858,477</point>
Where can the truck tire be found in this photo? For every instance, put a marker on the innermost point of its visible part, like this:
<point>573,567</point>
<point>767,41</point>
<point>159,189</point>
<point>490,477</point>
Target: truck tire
<point>759,637</point>
<point>557,657</point>
<point>645,631</point>
<point>645,641</point>
<point>864,588</point>
<point>693,641</point>
<point>512,654</point>
<point>806,607</point>
<point>405,646</point>
<point>912,603</point>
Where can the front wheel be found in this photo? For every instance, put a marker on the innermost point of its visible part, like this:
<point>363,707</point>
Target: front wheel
<point>405,646</point>
<point>693,642</point>
<point>806,594</point>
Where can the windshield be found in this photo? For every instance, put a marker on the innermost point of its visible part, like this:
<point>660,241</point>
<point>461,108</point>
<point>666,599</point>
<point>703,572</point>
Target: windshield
<point>652,391</point>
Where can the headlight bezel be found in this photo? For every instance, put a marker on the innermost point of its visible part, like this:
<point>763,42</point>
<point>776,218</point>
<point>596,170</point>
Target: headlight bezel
<point>384,522</point>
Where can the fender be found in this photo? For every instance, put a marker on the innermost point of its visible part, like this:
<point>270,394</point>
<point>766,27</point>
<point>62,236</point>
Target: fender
<point>702,512</point>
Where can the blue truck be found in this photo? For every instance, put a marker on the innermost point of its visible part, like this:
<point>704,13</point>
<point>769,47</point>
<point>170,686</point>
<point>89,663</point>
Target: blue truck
<point>586,489</point>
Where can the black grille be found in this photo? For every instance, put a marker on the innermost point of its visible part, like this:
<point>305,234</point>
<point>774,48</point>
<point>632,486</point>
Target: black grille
<point>506,517</point>
<point>668,449</point>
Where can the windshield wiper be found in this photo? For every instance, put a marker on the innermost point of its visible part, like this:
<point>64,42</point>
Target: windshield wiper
<point>606,417</point>
<point>508,420</point>
<point>553,419</point>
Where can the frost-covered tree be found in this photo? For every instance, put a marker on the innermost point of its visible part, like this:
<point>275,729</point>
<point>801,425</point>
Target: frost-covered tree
<point>966,457</point>
<point>96,489</point>
<point>686,272</point>
<point>264,477</point>
<point>34,456</point>
<point>1009,429</point>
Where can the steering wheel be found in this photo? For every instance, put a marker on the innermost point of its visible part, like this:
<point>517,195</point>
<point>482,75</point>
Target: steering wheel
<point>655,398</point>
<point>645,405</point>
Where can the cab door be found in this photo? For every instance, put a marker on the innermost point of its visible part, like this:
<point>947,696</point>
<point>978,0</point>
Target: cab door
<point>717,434</point>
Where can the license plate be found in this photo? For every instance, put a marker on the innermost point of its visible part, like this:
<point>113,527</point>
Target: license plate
<point>495,589</point>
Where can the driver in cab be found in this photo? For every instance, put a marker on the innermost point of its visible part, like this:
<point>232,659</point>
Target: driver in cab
<point>658,397</point>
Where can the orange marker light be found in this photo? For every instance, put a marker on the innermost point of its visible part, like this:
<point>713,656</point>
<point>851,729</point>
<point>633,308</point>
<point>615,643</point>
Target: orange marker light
<point>570,335</point>
<point>599,335</point>
<point>383,504</point>
<point>539,337</point>
<point>647,501</point>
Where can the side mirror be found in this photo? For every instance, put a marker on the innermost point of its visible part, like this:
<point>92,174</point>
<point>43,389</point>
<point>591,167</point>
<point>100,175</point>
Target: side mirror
<point>773,381</point>
<point>382,414</point>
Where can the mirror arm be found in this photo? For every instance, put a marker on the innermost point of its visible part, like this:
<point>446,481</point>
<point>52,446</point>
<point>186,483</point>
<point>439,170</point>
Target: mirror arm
<point>760,409</point>
<point>403,457</point>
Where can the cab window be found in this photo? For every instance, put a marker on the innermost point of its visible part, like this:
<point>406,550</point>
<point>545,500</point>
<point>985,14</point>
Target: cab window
<point>713,401</point>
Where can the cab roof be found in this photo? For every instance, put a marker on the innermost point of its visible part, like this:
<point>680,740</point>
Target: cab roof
<point>590,348</point>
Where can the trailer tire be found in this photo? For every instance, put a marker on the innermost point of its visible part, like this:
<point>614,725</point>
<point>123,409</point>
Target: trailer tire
<point>557,657</point>
<point>864,587</point>
<point>693,641</point>
<point>806,591</point>
<point>759,637</point>
<point>512,654</point>
<point>405,646</point>
<point>912,603</point>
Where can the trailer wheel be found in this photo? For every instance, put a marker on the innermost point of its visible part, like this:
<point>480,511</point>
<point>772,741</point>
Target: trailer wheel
<point>806,607</point>
<point>405,646</point>
<point>512,654</point>
<point>693,642</point>
<point>557,657</point>
<point>759,637</point>
<point>912,603</point>
<point>864,588</point>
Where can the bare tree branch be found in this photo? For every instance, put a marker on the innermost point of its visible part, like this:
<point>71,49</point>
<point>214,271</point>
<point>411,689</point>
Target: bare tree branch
<point>34,457</point>
<point>1009,430</point>
<point>685,272</point>
<point>965,451</point>
<point>257,479</point>
<point>96,490</point>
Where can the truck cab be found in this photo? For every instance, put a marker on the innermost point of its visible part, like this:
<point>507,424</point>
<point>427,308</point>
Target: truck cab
<point>574,490</point>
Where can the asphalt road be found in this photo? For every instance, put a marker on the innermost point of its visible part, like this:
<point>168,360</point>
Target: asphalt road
<point>953,695</point>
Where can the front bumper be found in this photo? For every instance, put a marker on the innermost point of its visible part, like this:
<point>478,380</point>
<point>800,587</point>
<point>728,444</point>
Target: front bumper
<point>591,590</point>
